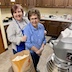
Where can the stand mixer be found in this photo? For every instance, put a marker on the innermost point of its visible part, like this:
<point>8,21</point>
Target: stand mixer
<point>61,59</point>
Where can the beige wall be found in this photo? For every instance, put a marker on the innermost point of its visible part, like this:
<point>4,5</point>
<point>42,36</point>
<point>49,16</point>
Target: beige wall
<point>55,11</point>
<point>59,11</point>
<point>5,13</point>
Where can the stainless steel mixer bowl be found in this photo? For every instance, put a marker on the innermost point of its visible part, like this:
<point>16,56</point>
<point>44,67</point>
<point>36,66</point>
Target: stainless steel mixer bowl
<point>63,48</point>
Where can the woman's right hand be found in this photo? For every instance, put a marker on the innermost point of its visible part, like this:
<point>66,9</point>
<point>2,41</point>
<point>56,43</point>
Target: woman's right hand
<point>23,39</point>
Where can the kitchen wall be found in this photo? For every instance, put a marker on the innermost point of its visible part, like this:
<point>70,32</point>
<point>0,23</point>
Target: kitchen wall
<point>58,11</point>
<point>5,12</point>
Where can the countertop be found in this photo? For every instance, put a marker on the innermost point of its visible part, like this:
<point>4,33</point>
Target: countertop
<point>43,58</point>
<point>55,18</point>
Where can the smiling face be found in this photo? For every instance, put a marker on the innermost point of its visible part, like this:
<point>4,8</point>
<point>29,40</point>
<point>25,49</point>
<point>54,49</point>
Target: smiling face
<point>18,14</point>
<point>34,20</point>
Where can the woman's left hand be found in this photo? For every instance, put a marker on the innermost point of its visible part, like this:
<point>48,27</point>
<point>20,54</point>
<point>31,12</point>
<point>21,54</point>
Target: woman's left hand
<point>39,51</point>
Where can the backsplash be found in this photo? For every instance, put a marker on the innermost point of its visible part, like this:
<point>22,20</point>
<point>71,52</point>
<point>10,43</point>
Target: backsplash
<point>57,11</point>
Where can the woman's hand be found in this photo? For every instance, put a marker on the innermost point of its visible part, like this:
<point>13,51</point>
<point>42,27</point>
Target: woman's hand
<point>23,39</point>
<point>39,51</point>
<point>45,32</point>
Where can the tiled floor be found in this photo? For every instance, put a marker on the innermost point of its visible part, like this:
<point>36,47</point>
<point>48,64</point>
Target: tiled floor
<point>5,64</point>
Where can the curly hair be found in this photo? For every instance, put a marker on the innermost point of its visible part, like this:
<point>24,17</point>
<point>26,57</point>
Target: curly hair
<point>33,11</point>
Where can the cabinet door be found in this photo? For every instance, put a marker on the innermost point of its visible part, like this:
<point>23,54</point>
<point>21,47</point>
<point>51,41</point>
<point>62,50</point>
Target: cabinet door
<point>64,25</point>
<point>10,3</point>
<point>44,24</point>
<point>69,3</point>
<point>2,2</point>
<point>31,3</point>
<point>2,49</point>
<point>21,2</point>
<point>38,3</point>
<point>46,3</point>
<point>53,28</point>
<point>24,3</point>
<point>58,3</point>
<point>5,28</point>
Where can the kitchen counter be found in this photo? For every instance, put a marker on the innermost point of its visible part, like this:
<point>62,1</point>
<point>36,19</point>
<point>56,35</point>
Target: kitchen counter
<point>43,58</point>
<point>55,19</point>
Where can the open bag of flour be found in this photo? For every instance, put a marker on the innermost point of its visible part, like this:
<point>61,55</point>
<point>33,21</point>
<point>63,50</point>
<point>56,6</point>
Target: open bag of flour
<point>22,62</point>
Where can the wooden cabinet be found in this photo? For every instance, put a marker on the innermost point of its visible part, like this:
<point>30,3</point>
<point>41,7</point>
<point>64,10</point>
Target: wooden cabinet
<point>58,3</point>
<point>31,3</point>
<point>8,3</point>
<point>5,28</point>
<point>68,3</point>
<point>44,23</point>
<point>54,3</point>
<point>47,3</point>
<point>38,3</point>
<point>24,3</point>
<point>2,49</point>
<point>54,28</point>
<point>2,3</point>
<point>64,25</point>
<point>50,3</point>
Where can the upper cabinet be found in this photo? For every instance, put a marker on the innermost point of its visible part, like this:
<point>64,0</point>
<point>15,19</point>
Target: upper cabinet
<point>11,2</point>
<point>2,3</point>
<point>24,3</point>
<point>8,3</point>
<point>69,3</point>
<point>50,3</point>
<point>31,3</point>
<point>58,3</point>
<point>38,3</point>
<point>54,3</point>
<point>47,3</point>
